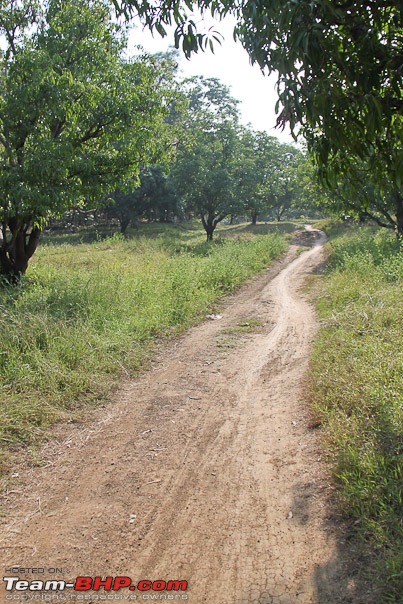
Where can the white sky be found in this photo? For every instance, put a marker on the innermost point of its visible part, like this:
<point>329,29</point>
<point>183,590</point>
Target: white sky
<point>230,64</point>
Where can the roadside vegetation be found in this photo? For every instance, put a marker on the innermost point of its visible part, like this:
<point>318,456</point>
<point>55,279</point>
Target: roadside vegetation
<point>357,392</point>
<point>90,132</point>
<point>87,314</point>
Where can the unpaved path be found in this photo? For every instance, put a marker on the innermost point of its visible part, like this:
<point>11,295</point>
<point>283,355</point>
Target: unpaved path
<point>204,470</point>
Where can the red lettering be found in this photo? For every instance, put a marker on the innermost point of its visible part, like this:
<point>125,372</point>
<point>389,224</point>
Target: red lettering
<point>106,584</point>
<point>120,582</point>
<point>83,584</point>
<point>177,585</point>
<point>144,585</point>
<point>159,585</point>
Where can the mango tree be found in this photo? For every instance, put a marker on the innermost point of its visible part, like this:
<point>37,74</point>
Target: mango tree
<point>77,118</point>
<point>206,170</point>
<point>339,77</point>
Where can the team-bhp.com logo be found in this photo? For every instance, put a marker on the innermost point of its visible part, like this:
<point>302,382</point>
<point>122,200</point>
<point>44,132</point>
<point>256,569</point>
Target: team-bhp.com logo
<point>110,584</point>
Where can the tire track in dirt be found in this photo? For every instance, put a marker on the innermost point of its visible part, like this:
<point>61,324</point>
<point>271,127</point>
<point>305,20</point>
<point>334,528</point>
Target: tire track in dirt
<point>210,451</point>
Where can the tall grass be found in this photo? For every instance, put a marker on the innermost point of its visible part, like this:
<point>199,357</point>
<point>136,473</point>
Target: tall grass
<point>357,391</point>
<point>87,314</point>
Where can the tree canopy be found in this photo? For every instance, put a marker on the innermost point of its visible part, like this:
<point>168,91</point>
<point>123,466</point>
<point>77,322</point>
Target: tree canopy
<point>154,199</point>
<point>77,118</point>
<point>339,75</point>
<point>205,172</point>
<point>269,177</point>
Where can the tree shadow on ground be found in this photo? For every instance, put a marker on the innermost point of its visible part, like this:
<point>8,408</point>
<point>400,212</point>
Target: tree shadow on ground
<point>169,233</point>
<point>343,578</point>
<point>65,237</point>
<point>185,235</point>
<point>257,229</point>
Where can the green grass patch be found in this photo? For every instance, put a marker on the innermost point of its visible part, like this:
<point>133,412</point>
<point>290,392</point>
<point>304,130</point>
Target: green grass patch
<point>88,313</point>
<point>357,391</point>
<point>234,336</point>
<point>246,326</point>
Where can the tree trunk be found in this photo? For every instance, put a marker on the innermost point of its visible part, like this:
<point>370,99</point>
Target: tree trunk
<point>399,213</point>
<point>209,225</point>
<point>16,250</point>
<point>210,222</point>
<point>124,223</point>
<point>280,213</point>
<point>254,218</point>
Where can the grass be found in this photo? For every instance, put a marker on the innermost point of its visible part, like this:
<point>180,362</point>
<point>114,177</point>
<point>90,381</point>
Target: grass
<point>357,392</point>
<point>89,313</point>
<point>246,326</point>
<point>234,336</point>
<point>185,235</point>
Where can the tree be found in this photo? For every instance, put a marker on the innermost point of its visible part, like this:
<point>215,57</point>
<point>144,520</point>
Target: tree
<point>360,196</point>
<point>206,168</point>
<point>254,164</point>
<point>268,174</point>
<point>339,75</point>
<point>312,197</point>
<point>76,117</point>
<point>160,199</point>
<point>154,199</point>
<point>285,188</point>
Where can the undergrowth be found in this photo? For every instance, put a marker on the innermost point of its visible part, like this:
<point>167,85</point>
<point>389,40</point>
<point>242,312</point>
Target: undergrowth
<point>86,314</point>
<point>357,391</point>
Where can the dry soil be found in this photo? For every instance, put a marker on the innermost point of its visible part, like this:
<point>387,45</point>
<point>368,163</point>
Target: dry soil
<point>205,469</point>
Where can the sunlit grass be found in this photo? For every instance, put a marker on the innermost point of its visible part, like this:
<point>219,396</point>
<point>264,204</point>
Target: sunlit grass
<point>87,314</point>
<point>357,391</point>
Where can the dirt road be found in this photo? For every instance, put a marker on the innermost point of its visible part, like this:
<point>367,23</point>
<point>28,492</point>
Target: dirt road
<point>204,470</point>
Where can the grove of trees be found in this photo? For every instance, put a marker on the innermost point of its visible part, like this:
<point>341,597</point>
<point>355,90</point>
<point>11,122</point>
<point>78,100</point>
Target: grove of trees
<point>339,83</point>
<point>220,170</point>
<point>82,124</point>
<point>77,117</point>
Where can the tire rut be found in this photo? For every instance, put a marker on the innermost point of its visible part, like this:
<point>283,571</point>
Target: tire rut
<point>203,470</point>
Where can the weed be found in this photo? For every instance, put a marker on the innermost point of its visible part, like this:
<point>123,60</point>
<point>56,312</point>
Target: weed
<point>357,389</point>
<point>88,313</point>
<point>246,326</point>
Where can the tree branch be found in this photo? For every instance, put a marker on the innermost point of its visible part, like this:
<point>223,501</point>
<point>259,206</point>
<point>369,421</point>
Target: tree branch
<point>378,220</point>
<point>387,216</point>
<point>219,218</point>
<point>94,132</point>
<point>57,129</point>
<point>4,142</point>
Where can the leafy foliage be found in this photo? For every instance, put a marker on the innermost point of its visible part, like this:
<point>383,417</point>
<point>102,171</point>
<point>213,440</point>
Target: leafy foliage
<point>357,195</point>
<point>269,179</point>
<point>258,153</point>
<point>339,76</point>
<point>154,199</point>
<point>76,117</point>
<point>357,390</point>
<point>338,73</point>
<point>206,167</point>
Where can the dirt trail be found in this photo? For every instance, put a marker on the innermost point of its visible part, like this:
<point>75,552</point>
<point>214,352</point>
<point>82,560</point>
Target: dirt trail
<point>211,452</point>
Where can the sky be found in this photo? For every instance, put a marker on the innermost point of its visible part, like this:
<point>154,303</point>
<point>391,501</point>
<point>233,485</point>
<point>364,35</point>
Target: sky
<point>230,64</point>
